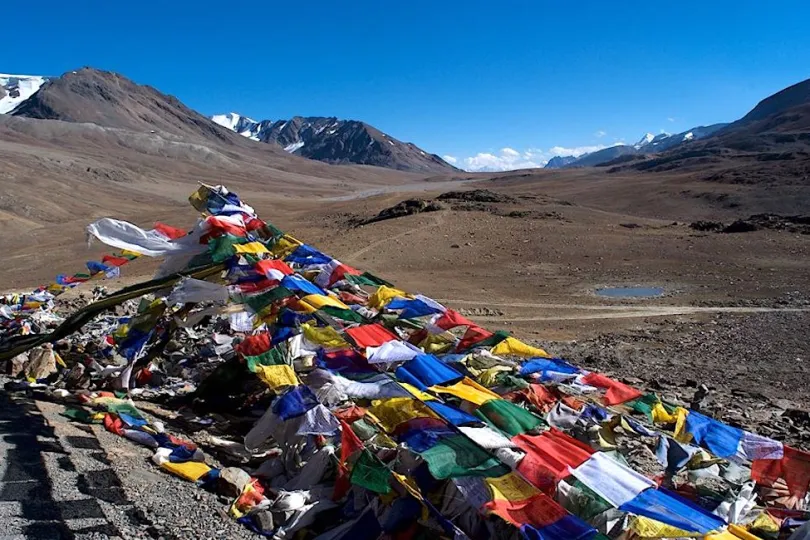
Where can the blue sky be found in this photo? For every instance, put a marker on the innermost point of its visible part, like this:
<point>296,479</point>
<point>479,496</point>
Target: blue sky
<point>500,84</point>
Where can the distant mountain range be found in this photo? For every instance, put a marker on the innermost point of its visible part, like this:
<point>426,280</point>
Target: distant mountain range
<point>648,144</point>
<point>336,141</point>
<point>108,99</point>
<point>777,130</point>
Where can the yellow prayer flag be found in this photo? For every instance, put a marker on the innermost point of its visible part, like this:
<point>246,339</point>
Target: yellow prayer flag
<point>489,377</point>
<point>415,392</point>
<point>314,302</point>
<point>515,347</point>
<point>384,295</point>
<point>409,485</point>
<point>650,528</point>
<point>661,416</point>
<point>277,377</point>
<point>190,470</point>
<point>681,435</point>
<point>389,413</point>
<point>284,246</point>
<point>326,336</point>
<point>253,248</point>
<point>741,533</point>
<point>510,487</point>
<point>734,532</point>
<point>468,390</point>
<point>436,343</point>
<point>764,523</point>
<point>59,359</point>
<point>199,199</point>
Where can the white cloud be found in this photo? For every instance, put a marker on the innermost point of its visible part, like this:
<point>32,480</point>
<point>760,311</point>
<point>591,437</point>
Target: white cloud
<point>509,159</point>
<point>670,119</point>
<point>599,134</point>
<point>450,159</point>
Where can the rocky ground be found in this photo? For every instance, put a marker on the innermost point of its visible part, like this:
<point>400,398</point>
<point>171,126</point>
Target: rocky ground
<point>61,480</point>
<point>730,327</point>
<point>751,371</point>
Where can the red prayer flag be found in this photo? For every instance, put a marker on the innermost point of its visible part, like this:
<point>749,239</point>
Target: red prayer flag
<point>538,511</point>
<point>349,444</point>
<point>340,272</point>
<point>350,414</point>
<point>254,345</point>
<point>548,457</point>
<point>617,392</point>
<point>538,395</point>
<point>115,261</point>
<point>349,298</point>
<point>794,468</point>
<point>172,233</point>
<point>113,424</point>
<point>473,335</point>
<point>451,319</point>
<point>263,267</point>
<point>370,335</point>
<point>251,287</point>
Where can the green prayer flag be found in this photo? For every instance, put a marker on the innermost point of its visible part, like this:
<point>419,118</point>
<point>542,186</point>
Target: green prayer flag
<point>273,357</point>
<point>363,429</point>
<point>508,417</point>
<point>80,415</point>
<point>457,456</point>
<point>492,340</point>
<point>260,301</point>
<point>125,408</point>
<point>343,314</point>
<point>371,473</point>
<point>221,247</point>
<point>376,280</point>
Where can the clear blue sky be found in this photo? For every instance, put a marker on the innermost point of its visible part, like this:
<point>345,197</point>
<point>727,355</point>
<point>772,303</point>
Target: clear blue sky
<point>457,78</point>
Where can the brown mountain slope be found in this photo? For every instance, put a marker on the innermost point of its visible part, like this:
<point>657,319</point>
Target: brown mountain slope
<point>337,141</point>
<point>792,101</point>
<point>770,145</point>
<point>111,100</point>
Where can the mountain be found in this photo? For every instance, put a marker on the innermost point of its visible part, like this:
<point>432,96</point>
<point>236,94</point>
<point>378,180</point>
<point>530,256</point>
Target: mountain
<point>15,89</point>
<point>111,100</point>
<point>663,141</point>
<point>602,156</point>
<point>336,141</point>
<point>648,144</point>
<point>558,162</point>
<point>240,124</point>
<point>770,144</point>
<point>785,110</point>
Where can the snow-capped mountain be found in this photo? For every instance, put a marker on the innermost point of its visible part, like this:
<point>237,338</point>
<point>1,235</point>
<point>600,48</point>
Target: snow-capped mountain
<point>336,141</point>
<point>663,141</point>
<point>644,141</point>
<point>558,162</point>
<point>240,124</point>
<point>15,89</point>
<point>648,144</point>
<point>651,141</point>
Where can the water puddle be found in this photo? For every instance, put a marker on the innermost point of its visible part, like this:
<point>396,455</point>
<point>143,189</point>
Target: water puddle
<point>630,292</point>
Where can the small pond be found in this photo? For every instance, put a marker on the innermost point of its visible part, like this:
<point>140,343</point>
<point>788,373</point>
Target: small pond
<point>630,292</point>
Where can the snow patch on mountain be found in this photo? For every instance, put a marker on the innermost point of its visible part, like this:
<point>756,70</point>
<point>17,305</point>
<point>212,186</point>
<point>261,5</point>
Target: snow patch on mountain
<point>644,141</point>
<point>18,88</point>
